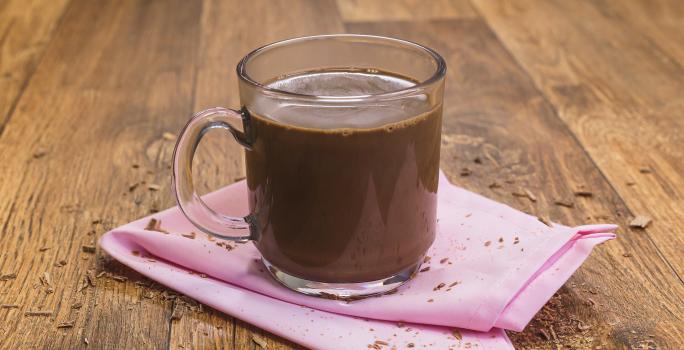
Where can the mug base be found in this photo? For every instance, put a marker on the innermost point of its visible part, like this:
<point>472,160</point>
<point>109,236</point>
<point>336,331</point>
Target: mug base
<point>342,291</point>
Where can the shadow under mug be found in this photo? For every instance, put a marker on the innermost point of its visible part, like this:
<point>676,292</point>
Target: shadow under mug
<point>342,205</point>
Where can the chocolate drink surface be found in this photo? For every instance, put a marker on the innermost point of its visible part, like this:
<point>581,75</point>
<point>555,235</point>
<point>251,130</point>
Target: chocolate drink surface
<point>344,195</point>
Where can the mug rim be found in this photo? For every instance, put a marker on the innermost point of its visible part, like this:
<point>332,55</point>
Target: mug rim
<point>437,75</point>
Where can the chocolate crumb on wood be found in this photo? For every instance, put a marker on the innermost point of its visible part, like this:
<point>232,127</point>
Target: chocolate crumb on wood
<point>43,249</point>
<point>39,153</point>
<point>545,221</point>
<point>645,170</point>
<point>47,281</point>
<point>544,334</point>
<point>120,278</point>
<point>43,280</point>
<point>177,312</point>
<point>9,306</point>
<point>68,324</point>
<point>465,172</point>
<point>132,187</point>
<point>553,333</point>
<point>77,305</point>
<point>524,193</point>
<point>494,185</point>
<point>581,191</point>
<point>153,187</point>
<point>259,341</point>
<point>84,285</point>
<point>564,203</point>
<point>90,279</point>
<point>8,276</point>
<point>640,221</point>
<point>88,248</point>
<point>38,313</point>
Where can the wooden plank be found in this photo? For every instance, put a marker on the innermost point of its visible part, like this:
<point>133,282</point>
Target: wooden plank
<point>395,10</point>
<point>115,77</point>
<point>618,91</point>
<point>26,28</point>
<point>250,337</point>
<point>205,329</point>
<point>499,126</point>
<point>660,20</point>
<point>219,159</point>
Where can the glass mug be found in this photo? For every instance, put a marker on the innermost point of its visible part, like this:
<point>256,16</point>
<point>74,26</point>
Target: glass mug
<point>342,137</point>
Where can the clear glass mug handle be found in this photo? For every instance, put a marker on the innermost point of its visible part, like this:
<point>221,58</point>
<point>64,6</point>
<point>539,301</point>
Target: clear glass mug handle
<point>194,208</point>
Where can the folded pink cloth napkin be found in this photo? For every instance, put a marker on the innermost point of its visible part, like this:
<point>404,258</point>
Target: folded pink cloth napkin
<point>491,268</point>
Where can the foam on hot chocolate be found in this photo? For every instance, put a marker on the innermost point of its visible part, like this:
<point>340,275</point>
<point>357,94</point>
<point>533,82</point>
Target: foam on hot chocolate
<point>348,84</point>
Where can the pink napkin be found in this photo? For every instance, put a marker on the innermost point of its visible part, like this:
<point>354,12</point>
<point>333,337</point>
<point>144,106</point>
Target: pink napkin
<point>491,268</point>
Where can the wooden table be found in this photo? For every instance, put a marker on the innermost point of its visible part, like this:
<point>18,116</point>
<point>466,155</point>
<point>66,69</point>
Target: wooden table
<point>547,96</point>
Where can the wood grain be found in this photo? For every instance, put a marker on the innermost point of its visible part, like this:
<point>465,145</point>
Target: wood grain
<point>26,28</point>
<point>661,21</point>
<point>618,91</point>
<point>94,107</point>
<point>383,10</point>
<point>494,113</point>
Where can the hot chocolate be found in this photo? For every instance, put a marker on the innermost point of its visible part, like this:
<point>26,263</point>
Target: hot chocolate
<point>344,195</point>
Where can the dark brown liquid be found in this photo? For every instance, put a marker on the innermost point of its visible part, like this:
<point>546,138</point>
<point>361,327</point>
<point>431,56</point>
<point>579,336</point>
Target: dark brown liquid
<point>344,205</point>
